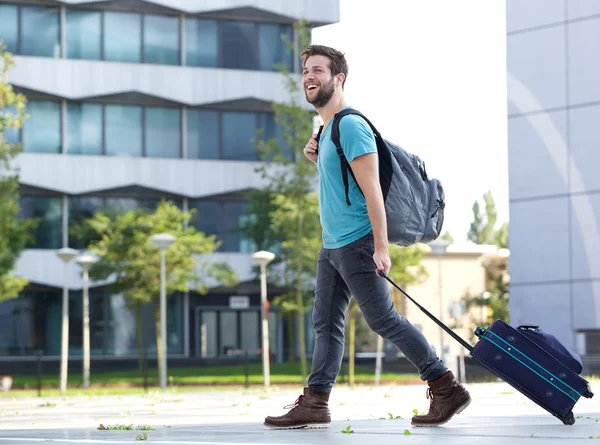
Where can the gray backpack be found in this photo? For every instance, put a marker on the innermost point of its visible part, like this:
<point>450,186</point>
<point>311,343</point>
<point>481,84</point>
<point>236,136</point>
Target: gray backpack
<point>414,203</point>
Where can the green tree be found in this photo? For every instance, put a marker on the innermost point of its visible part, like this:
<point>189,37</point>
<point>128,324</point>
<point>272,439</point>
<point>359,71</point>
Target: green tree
<point>126,253</point>
<point>482,229</point>
<point>447,236</point>
<point>494,301</point>
<point>15,232</point>
<point>284,214</point>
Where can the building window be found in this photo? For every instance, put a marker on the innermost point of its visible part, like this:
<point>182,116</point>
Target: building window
<point>162,128</point>
<point>48,211</point>
<point>272,47</point>
<point>41,132</point>
<point>9,27</point>
<point>40,31</point>
<point>84,128</point>
<point>80,209</point>
<point>122,37</point>
<point>123,130</point>
<point>203,134</point>
<point>239,130</point>
<point>206,217</point>
<point>84,31</point>
<point>233,218</point>
<point>84,207</point>
<point>270,130</point>
<point>161,39</point>
<point>11,135</point>
<point>240,46</point>
<point>31,323</point>
<point>202,43</point>
<point>145,38</point>
<point>222,219</point>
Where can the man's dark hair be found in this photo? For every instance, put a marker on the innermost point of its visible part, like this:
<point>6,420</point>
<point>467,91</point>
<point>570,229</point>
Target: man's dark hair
<point>337,60</point>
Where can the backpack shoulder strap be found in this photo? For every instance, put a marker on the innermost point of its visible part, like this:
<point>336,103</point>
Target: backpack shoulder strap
<point>335,137</point>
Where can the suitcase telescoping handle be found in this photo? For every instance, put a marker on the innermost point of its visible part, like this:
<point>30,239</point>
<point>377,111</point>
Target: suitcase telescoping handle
<point>429,314</point>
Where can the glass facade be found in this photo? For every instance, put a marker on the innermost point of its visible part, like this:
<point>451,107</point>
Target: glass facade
<point>239,129</point>
<point>201,43</point>
<point>84,32</point>
<point>123,130</point>
<point>133,37</point>
<point>225,332</point>
<point>84,128</point>
<point>161,39</point>
<point>240,46</point>
<point>48,211</point>
<point>223,219</point>
<point>32,323</point>
<point>131,130</point>
<point>162,127</point>
<point>203,134</point>
<point>122,37</point>
<point>41,132</point>
<point>40,32</point>
<point>9,27</point>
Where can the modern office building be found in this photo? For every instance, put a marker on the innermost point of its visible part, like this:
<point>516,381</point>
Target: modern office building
<point>130,102</point>
<point>553,134</point>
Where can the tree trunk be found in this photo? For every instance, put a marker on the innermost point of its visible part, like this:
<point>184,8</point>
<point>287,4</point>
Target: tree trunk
<point>291,337</point>
<point>351,344</point>
<point>159,345</point>
<point>139,336</point>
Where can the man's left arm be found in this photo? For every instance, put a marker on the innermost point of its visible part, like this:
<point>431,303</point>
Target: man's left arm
<point>366,172</point>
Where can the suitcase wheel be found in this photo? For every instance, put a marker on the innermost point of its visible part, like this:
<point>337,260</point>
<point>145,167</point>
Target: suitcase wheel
<point>570,419</point>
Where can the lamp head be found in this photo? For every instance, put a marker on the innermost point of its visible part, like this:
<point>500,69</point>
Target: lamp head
<point>66,254</point>
<point>162,240</point>
<point>263,257</point>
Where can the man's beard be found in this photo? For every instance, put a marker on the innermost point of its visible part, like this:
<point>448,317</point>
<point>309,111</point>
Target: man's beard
<point>323,96</point>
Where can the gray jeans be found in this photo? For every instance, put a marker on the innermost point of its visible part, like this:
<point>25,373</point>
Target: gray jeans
<point>350,272</point>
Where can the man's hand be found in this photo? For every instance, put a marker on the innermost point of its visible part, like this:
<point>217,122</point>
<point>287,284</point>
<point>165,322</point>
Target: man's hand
<point>310,150</point>
<point>382,260</point>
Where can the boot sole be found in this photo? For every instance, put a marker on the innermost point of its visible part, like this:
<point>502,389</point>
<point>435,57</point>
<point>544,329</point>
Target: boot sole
<point>297,427</point>
<point>459,410</point>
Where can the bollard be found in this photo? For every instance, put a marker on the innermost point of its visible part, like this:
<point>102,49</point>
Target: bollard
<point>145,369</point>
<point>246,370</point>
<point>39,372</point>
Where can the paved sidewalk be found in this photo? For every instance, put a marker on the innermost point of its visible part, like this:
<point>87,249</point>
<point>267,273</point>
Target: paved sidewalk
<point>497,415</point>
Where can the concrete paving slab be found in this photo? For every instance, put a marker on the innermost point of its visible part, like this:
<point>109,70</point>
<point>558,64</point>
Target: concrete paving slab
<point>497,415</point>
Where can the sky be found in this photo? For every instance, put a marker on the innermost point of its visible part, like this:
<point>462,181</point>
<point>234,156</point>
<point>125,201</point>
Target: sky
<point>431,76</point>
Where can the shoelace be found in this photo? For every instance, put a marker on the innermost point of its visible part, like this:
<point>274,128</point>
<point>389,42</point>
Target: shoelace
<point>295,404</point>
<point>429,395</point>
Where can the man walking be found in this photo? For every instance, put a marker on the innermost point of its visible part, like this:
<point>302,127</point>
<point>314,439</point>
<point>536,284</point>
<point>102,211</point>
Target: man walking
<point>355,247</point>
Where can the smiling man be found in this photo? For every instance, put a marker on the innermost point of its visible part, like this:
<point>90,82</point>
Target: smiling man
<point>355,247</point>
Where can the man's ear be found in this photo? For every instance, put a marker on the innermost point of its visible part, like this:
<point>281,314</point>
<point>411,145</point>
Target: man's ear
<point>341,77</point>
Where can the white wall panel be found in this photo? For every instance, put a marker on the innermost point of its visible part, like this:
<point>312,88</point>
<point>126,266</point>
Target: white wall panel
<point>76,79</point>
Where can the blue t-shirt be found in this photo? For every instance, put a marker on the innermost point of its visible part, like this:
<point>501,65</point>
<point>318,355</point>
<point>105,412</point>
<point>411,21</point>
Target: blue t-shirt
<point>343,224</point>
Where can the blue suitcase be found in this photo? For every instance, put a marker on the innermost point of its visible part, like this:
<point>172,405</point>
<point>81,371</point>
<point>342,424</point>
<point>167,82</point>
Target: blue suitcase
<point>535,363</point>
<point>532,361</point>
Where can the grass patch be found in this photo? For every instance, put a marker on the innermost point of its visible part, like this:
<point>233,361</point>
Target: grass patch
<point>208,377</point>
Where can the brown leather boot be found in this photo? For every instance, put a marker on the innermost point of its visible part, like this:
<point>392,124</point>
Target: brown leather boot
<point>448,397</point>
<point>309,411</point>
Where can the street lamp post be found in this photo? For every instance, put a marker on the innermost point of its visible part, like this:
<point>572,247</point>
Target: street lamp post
<point>162,241</point>
<point>438,247</point>
<point>66,254</point>
<point>86,261</point>
<point>263,258</point>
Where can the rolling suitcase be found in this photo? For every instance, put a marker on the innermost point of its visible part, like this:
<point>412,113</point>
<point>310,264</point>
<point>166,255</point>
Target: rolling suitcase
<point>529,359</point>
